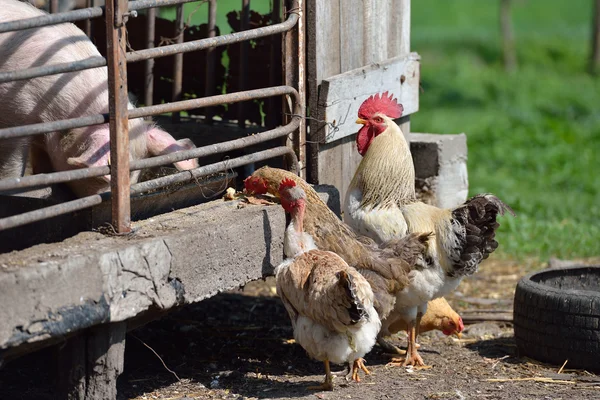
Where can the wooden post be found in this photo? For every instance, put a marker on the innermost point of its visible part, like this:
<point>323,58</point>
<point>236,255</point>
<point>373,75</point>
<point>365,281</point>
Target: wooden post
<point>508,42</point>
<point>119,123</point>
<point>90,363</point>
<point>595,53</point>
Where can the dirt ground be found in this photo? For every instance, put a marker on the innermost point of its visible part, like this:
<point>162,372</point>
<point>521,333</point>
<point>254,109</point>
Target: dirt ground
<point>237,345</point>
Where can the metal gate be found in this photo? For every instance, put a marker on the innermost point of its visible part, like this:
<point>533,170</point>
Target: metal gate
<point>117,13</point>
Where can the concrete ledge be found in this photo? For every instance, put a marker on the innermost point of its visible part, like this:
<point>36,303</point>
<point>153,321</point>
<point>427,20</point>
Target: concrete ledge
<point>181,257</point>
<point>441,168</point>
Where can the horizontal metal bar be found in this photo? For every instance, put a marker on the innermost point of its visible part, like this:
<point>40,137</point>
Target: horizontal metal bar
<point>65,176</point>
<point>202,102</point>
<point>79,15</point>
<point>52,19</point>
<point>34,129</point>
<point>181,177</point>
<point>44,70</point>
<point>222,40</point>
<point>187,176</point>
<point>49,212</point>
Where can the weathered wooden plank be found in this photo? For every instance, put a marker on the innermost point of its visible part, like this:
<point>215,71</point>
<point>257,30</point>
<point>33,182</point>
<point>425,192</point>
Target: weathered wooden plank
<point>341,95</point>
<point>327,24</point>
<point>337,163</point>
<point>398,28</point>
<point>351,36</point>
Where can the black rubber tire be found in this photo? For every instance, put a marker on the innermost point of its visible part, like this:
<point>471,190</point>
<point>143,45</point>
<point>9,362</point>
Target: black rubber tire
<point>557,316</point>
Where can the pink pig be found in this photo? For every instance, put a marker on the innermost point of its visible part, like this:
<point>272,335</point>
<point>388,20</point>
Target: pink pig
<point>69,95</point>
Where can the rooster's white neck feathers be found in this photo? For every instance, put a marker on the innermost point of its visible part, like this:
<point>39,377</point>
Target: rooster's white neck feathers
<point>386,180</point>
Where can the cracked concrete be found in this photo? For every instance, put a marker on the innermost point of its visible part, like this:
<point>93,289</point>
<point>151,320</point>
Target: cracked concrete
<point>180,257</point>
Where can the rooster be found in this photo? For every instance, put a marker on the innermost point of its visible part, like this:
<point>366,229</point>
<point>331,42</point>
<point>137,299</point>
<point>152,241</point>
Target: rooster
<point>385,267</point>
<point>329,303</point>
<point>381,203</point>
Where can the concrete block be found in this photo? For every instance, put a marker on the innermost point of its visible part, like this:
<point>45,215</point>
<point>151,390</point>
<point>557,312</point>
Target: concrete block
<point>51,291</point>
<point>440,168</point>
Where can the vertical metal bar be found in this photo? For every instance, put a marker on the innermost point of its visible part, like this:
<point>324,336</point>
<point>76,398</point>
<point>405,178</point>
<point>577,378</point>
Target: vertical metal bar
<point>209,84</point>
<point>273,104</point>
<point>117,95</point>
<point>243,77</point>
<point>149,74</point>
<point>53,6</point>
<point>88,22</point>
<point>178,62</point>
<point>294,58</point>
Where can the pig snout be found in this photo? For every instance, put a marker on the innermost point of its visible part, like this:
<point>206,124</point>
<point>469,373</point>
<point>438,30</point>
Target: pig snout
<point>160,143</point>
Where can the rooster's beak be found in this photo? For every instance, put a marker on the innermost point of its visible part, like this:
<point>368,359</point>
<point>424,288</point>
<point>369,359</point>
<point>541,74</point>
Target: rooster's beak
<point>361,121</point>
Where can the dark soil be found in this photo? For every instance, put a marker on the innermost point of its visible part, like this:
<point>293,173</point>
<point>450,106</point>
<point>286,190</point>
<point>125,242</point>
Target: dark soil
<point>237,345</point>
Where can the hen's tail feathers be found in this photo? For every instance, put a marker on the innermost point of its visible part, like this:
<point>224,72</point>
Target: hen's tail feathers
<point>356,310</point>
<point>475,225</point>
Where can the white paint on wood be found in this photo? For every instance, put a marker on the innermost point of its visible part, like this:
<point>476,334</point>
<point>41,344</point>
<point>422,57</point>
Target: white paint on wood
<point>351,36</point>
<point>342,95</point>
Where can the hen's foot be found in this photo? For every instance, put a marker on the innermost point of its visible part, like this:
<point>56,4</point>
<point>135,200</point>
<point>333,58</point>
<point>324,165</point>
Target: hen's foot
<point>389,348</point>
<point>359,363</point>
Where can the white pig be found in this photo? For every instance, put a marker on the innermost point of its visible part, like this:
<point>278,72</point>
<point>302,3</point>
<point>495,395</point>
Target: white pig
<point>63,96</point>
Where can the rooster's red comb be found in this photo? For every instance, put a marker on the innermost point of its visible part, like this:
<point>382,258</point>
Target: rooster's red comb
<point>380,103</point>
<point>286,183</point>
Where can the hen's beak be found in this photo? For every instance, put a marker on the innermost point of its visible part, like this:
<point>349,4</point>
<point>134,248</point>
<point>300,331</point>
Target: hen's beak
<point>458,334</point>
<point>361,121</point>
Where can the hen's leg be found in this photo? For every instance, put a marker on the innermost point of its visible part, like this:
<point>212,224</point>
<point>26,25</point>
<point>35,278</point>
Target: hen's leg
<point>328,382</point>
<point>359,363</point>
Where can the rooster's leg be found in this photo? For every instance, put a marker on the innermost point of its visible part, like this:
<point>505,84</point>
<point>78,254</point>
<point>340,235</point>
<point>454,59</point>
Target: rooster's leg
<point>359,363</point>
<point>328,382</point>
<point>412,355</point>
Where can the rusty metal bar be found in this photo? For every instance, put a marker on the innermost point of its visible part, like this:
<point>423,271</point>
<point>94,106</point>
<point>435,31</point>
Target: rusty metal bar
<point>243,71</point>
<point>209,83</point>
<point>291,74</point>
<point>150,35</point>
<point>79,15</point>
<point>53,6</point>
<point>52,19</point>
<point>36,72</point>
<point>119,126</point>
<point>223,40</point>
<point>274,105</point>
<point>49,212</point>
<point>26,130</point>
<point>178,63</point>
<point>163,51</point>
<point>39,180</point>
<point>87,27</point>
<point>186,176</point>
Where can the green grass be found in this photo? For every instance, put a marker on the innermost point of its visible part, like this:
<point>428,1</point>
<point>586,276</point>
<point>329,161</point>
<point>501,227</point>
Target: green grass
<point>533,134</point>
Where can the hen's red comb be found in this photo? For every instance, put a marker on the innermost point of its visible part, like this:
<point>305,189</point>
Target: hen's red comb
<point>286,183</point>
<point>380,103</point>
<point>255,184</point>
